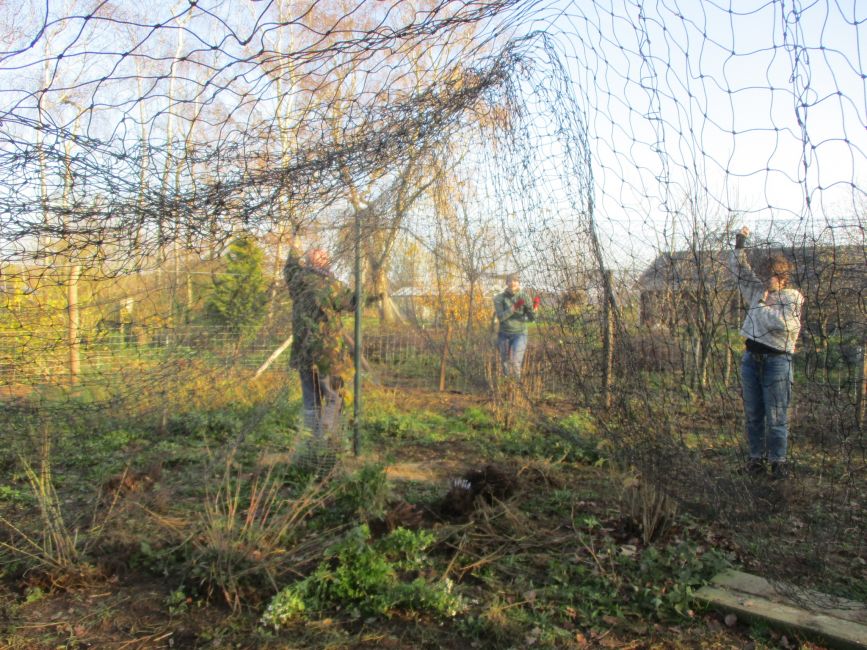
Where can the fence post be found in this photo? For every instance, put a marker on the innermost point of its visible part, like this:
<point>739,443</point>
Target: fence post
<point>445,357</point>
<point>861,397</point>
<point>607,343</point>
<point>74,319</point>
<point>359,311</point>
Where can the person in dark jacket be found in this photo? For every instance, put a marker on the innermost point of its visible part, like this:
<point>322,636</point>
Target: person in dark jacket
<point>514,309</point>
<point>319,349</point>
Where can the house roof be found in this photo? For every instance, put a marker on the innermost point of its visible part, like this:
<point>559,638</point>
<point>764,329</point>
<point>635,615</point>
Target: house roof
<point>685,268</point>
<point>814,264</point>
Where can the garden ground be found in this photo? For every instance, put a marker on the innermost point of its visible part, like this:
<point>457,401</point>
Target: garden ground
<point>460,525</point>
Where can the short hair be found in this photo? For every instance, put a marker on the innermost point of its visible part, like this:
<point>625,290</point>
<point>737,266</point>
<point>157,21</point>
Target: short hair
<point>512,276</point>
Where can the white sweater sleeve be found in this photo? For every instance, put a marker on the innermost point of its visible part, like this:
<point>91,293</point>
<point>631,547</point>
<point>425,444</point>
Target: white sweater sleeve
<point>751,288</point>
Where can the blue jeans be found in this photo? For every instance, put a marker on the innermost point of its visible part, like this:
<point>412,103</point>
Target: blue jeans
<point>767,388</point>
<point>322,402</point>
<point>512,348</point>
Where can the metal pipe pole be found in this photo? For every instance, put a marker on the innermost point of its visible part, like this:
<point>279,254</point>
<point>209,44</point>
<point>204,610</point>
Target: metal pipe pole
<point>356,402</point>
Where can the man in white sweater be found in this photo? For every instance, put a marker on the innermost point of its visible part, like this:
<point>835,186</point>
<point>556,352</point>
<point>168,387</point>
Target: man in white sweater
<point>771,329</point>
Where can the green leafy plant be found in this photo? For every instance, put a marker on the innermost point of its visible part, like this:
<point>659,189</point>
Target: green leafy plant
<point>14,495</point>
<point>363,493</point>
<point>369,578</point>
<point>478,418</point>
<point>34,595</point>
<point>622,582</point>
<point>423,425</point>
<point>178,602</point>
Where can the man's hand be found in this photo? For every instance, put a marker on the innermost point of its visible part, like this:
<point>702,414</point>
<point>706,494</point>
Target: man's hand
<point>741,237</point>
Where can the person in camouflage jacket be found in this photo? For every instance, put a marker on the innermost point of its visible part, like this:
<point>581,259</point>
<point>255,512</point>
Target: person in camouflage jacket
<point>319,351</point>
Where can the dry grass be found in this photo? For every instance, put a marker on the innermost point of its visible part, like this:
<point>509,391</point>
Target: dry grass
<point>250,531</point>
<point>648,507</point>
<point>55,549</point>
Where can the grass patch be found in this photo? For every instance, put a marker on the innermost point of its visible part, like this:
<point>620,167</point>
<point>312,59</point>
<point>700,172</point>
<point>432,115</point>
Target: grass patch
<point>324,561</point>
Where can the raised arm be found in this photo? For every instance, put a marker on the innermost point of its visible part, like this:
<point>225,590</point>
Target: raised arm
<point>749,284</point>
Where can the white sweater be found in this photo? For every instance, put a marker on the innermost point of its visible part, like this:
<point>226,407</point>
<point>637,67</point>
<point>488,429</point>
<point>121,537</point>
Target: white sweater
<point>776,321</point>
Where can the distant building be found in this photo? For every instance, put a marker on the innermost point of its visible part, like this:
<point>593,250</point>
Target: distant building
<point>414,304</point>
<point>833,280</point>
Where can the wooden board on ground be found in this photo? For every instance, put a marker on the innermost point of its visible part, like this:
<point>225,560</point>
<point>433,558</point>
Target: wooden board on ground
<point>837,622</point>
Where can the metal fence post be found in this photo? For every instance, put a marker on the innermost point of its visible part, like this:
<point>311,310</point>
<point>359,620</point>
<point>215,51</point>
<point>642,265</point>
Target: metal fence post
<point>607,343</point>
<point>860,401</point>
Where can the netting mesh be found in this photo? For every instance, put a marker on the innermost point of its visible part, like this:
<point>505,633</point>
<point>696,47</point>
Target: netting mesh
<point>607,151</point>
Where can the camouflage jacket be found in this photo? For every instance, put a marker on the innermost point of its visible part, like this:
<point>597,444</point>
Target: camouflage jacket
<point>318,300</point>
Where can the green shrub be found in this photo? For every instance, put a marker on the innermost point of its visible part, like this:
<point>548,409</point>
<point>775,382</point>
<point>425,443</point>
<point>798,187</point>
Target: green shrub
<point>367,578</point>
<point>419,425</point>
<point>478,418</point>
<point>216,425</point>
<point>551,445</point>
<point>654,583</point>
<point>363,493</point>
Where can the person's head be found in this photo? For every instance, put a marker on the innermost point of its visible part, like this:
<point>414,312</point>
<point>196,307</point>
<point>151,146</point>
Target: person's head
<point>776,271</point>
<point>317,258</point>
<point>513,283</point>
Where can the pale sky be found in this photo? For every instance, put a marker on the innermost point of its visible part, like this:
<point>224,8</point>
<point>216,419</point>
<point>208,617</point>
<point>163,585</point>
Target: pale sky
<point>675,98</point>
<point>677,94</point>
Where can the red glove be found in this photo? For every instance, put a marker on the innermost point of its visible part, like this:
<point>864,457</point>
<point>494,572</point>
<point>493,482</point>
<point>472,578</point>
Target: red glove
<point>519,303</point>
<point>536,302</point>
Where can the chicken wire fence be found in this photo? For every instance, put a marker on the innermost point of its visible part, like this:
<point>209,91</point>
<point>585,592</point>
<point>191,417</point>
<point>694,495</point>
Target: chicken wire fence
<point>155,169</point>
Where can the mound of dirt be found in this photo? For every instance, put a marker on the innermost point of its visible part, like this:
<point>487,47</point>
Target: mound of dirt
<point>400,514</point>
<point>475,487</point>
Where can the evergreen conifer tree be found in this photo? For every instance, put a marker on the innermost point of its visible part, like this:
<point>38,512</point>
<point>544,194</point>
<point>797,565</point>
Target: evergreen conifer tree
<point>237,301</point>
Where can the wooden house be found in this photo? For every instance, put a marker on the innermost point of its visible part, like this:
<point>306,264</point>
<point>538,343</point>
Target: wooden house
<point>833,280</point>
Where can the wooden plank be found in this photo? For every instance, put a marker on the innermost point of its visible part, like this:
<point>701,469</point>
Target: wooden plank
<point>814,601</point>
<point>835,632</point>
